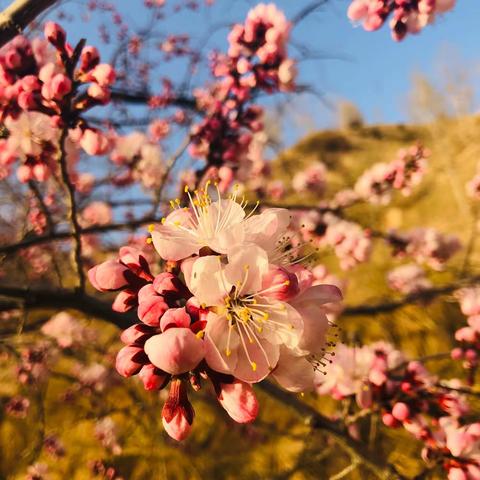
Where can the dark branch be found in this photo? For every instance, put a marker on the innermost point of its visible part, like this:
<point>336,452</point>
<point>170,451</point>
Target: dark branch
<point>67,299</point>
<point>16,17</point>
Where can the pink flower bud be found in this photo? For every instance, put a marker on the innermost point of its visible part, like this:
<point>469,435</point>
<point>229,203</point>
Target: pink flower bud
<point>175,351</point>
<point>101,94</point>
<point>108,276</point>
<point>124,302</point>
<point>94,142</point>
<point>165,282</point>
<point>239,400</point>
<point>401,411</point>
<point>55,34</point>
<point>89,58</point>
<point>60,86</point>
<point>137,333</point>
<point>357,10</point>
<point>389,420</point>
<point>27,101</point>
<point>457,354</point>
<point>152,377</point>
<point>12,59</point>
<point>465,334</point>
<point>130,360</point>
<point>103,74</point>
<point>24,173</point>
<point>175,317</point>
<point>177,413</point>
<point>151,307</point>
<point>40,172</point>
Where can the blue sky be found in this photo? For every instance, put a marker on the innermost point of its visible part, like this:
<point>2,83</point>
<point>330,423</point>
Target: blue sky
<point>368,69</point>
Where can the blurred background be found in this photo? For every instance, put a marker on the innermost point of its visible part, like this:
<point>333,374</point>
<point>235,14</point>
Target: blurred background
<point>365,98</point>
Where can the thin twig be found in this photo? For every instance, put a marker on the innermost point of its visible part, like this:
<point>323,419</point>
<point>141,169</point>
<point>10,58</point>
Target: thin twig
<point>170,164</point>
<point>72,211</point>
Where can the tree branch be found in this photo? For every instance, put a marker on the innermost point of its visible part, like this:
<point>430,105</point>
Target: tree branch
<point>421,296</point>
<point>317,421</point>
<point>141,97</point>
<point>72,211</point>
<point>67,299</point>
<point>16,17</point>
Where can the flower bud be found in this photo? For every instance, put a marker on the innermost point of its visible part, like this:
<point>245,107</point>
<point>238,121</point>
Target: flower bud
<point>151,307</point>
<point>401,411</point>
<point>165,282</point>
<point>108,276</point>
<point>103,74</point>
<point>55,34</point>
<point>138,333</point>
<point>177,413</point>
<point>152,377</point>
<point>175,317</point>
<point>130,360</point>
<point>389,420</point>
<point>175,351</point>
<point>89,58</point>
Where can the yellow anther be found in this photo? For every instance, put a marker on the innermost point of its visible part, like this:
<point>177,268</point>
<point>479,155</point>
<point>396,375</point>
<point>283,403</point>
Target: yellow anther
<point>151,228</point>
<point>177,201</point>
<point>163,220</point>
<point>228,352</point>
<point>200,334</point>
<point>149,240</point>
<point>186,189</point>
<point>302,394</point>
<point>254,366</point>
<point>172,204</point>
<point>259,329</point>
<point>203,306</point>
<point>177,223</point>
<point>265,316</point>
<point>286,283</point>
<point>246,267</point>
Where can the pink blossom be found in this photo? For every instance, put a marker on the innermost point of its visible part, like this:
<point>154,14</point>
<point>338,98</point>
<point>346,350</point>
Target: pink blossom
<point>55,34</point>
<point>408,279</point>
<point>96,213</point>
<point>66,330</point>
<point>239,401</point>
<point>94,142</point>
<point>103,74</point>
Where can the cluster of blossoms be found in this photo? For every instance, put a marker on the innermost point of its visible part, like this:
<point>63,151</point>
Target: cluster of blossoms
<point>140,158</point>
<point>405,394</point>
<point>425,245</point>
<point>408,279</point>
<point>405,172</point>
<point>469,336</point>
<point>406,16</point>
<point>233,307</point>
<point>311,179</point>
<point>45,89</point>
<point>256,61</point>
<point>351,243</point>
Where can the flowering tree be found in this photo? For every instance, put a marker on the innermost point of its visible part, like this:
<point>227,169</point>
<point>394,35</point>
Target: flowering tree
<point>220,263</point>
